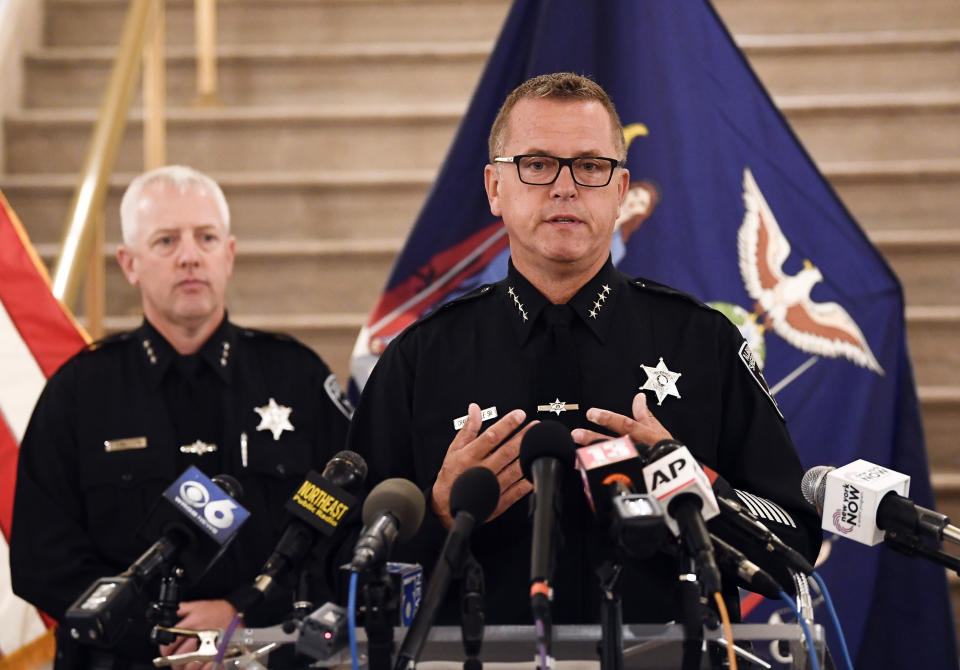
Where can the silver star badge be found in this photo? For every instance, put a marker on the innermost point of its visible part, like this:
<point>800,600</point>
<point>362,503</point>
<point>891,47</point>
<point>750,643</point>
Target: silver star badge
<point>558,406</point>
<point>661,381</point>
<point>199,447</point>
<point>275,418</point>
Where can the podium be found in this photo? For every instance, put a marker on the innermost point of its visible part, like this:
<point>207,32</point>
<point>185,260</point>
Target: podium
<point>645,647</point>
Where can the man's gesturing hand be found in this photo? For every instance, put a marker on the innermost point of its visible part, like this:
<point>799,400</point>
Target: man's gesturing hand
<point>643,427</point>
<point>490,449</point>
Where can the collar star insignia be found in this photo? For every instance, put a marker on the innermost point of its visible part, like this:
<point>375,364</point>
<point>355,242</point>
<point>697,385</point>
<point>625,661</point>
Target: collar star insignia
<point>661,381</point>
<point>602,297</point>
<point>606,289</point>
<point>275,418</point>
<point>593,314</point>
<point>516,301</point>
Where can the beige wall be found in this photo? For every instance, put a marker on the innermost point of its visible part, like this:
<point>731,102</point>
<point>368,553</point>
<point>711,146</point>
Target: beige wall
<point>20,30</point>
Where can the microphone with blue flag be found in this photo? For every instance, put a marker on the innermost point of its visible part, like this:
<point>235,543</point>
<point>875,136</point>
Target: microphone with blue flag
<point>734,211</point>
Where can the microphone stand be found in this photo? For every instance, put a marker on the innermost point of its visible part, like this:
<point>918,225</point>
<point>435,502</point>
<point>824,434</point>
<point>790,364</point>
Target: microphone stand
<point>912,545</point>
<point>471,612</point>
<point>611,618</point>
<point>690,611</point>
<point>162,613</point>
<point>380,603</point>
<point>302,605</point>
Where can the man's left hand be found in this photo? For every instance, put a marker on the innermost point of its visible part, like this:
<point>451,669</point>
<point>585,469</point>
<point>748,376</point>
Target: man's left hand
<point>643,427</point>
<point>200,615</point>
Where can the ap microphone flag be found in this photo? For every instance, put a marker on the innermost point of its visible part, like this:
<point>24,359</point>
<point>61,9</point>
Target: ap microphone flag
<point>734,211</point>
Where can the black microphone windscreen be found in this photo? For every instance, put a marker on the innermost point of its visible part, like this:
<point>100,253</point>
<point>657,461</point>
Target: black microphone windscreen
<point>814,484</point>
<point>547,439</point>
<point>346,469</point>
<point>476,491</point>
<point>401,498</point>
<point>230,485</point>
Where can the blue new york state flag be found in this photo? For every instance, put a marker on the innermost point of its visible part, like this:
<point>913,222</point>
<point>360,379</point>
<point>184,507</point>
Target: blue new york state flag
<point>734,211</point>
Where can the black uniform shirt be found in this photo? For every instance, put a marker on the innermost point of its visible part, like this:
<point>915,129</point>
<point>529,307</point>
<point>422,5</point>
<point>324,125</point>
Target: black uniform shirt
<point>120,421</point>
<point>488,347</point>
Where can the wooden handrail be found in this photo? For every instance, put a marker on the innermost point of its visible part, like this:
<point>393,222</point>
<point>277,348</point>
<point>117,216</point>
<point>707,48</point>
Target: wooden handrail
<point>91,189</point>
<point>143,40</point>
<point>205,33</point>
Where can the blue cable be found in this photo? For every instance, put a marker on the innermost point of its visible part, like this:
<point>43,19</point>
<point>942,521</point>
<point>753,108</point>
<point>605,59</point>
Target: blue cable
<point>806,630</point>
<point>352,620</point>
<point>836,620</point>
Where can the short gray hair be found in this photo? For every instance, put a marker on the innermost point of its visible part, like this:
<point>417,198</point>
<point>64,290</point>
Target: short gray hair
<point>180,176</point>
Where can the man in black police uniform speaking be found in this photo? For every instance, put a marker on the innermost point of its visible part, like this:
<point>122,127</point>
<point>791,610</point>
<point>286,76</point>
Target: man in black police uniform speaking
<point>567,337</point>
<point>120,421</point>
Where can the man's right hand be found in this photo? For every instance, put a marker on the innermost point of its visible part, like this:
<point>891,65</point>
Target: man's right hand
<point>471,448</point>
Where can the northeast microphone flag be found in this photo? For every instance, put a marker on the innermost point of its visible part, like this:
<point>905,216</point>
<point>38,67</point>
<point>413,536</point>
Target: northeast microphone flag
<point>734,211</point>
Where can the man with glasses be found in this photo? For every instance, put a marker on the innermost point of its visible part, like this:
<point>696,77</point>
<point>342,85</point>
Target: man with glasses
<point>566,337</point>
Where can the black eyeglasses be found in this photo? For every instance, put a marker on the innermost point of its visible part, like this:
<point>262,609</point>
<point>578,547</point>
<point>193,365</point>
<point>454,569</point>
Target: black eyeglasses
<point>592,171</point>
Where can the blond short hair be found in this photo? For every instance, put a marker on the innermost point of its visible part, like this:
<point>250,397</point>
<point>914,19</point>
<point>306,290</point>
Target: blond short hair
<point>556,86</point>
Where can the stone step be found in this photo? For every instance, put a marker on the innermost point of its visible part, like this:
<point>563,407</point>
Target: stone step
<point>858,62</point>
<point>284,277</point>
<point>248,138</point>
<point>301,74</point>
<point>100,22</point>
<point>940,406</point>
<point>927,263</point>
<point>804,16</point>
<point>294,205</point>
<point>833,128</point>
<point>448,72</point>
<point>876,127</point>
<point>933,335</point>
<point>885,195</point>
<point>384,203</point>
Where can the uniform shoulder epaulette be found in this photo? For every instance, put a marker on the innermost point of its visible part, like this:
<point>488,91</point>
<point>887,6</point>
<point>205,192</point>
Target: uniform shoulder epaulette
<point>109,340</point>
<point>662,289</point>
<point>483,290</point>
<point>265,334</point>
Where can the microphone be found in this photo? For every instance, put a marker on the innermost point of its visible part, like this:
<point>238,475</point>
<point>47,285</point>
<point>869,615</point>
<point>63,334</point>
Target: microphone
<point>608,470</point>
<point>393,511</point>
<point>473,498</point>
<point>736,515</point>
<point>735,562</point>
<point>639,531</point>
<point>545,451</point>
<point>677,481</point>
<point>195,518</point>
<point>318,507</point>
<point>861,500</point>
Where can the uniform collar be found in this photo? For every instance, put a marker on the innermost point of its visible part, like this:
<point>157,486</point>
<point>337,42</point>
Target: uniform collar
<point>593,303</point>
<point>158,355</point>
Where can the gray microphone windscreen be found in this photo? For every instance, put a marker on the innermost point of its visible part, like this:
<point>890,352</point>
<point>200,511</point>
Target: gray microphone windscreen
<point>401,498</point>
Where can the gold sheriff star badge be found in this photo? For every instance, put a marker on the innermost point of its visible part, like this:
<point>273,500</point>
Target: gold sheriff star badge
<point>661,381</point>
<point>275,418</point>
